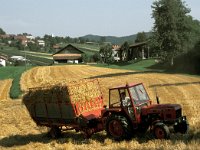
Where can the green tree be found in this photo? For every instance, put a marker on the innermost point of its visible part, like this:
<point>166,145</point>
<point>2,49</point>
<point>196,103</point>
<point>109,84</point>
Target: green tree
<point>193,33</point>
<point>154,47</point>
<point>124,53</point>
<point>106,53</point>
<point>85,58</point>
<point>2,32</point>
<point>96,57</point>
<point>141,37</point>
<point>33,47</point>
<point>19,45</point>
<point>102,39</point>
<point>81,40</point>
<point>170,27</point>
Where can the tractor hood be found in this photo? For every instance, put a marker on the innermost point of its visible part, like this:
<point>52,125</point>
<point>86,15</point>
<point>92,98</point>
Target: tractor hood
<point>156,108</point>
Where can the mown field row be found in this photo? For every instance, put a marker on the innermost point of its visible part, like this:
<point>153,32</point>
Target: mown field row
<point>5,86</point>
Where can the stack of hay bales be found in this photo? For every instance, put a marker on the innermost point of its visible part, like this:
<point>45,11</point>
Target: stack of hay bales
<point>55,101</point>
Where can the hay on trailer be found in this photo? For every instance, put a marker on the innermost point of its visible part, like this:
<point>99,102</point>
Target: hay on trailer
<point>75,91</point>
<point>50,99</point>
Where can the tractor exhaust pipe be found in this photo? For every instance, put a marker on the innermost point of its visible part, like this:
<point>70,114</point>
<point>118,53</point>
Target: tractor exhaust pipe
<point>157,98</point>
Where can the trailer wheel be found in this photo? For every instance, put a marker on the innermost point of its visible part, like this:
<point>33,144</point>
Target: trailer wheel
<point>118,127</point>
<point>55,132</point>
<point>161,131</point>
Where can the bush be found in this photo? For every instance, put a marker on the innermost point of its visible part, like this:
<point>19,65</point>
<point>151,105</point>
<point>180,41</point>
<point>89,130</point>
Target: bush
<point>189,62</point>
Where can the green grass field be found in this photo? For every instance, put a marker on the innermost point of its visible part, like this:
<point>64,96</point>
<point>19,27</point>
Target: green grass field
<point>34,57</point>
<point>143,65</point>
<point>14,73</point>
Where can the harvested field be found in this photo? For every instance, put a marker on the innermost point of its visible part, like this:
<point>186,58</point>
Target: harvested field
<point>18,131</point>
<point>5,88</point>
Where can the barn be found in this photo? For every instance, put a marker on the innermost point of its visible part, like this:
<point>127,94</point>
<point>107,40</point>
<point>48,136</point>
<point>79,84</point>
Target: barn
<point>139,50</point>
<point>136,51</point>
<point>68,54</point>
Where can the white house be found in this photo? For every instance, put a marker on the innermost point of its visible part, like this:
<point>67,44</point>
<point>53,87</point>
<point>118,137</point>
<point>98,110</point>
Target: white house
<point>115,49</point>
<point>3,61</point>
<point>19,58</point>
<point>30,37</point>
<point>41,42</point>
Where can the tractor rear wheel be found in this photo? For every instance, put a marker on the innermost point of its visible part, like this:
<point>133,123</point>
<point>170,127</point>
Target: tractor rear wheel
<point>55,132</point>
<point>161,131</point>
<point>118,127</point>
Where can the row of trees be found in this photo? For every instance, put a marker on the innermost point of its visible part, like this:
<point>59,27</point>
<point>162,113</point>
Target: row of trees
<point>50,41</point>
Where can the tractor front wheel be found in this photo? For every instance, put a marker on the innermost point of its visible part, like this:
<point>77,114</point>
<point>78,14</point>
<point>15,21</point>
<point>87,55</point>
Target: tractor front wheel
<point>118,127</point>
<point>161,131</point>
<point>55,132</point>
<point>181,127</point>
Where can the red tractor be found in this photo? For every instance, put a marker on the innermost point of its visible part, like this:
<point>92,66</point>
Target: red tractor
<point>131,110</point>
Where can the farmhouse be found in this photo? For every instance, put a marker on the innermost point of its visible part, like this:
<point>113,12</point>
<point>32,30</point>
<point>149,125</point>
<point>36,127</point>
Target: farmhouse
<point>139,50</point>
<point>3,60</point>
<point>136,50</point>
<point>41,43</point>
<point>68,54</point>
<point>17,58</point>
<point>115,53</point>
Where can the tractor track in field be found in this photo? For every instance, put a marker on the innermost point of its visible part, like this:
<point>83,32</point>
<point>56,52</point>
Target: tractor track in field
<point>5,89</point>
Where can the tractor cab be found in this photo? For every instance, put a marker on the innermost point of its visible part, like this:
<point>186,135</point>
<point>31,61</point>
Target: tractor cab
<point>130,98</point>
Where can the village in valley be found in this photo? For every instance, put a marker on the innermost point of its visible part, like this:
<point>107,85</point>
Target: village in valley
<point>68,50</point>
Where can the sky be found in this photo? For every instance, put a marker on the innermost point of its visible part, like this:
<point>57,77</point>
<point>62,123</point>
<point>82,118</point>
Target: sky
<point>77,18</point>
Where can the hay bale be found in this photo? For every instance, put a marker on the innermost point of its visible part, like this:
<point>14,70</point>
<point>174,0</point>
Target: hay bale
<point>50,101</point>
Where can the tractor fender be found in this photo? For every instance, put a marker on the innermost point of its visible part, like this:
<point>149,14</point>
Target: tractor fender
<point>110,112</point>
<point>152,119</point>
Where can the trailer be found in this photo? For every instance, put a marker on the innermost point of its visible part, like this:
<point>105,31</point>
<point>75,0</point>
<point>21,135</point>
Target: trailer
<point>66,107</point>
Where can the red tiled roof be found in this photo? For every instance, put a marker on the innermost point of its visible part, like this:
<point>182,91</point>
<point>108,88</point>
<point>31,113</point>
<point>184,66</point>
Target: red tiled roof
<point>3,57</point>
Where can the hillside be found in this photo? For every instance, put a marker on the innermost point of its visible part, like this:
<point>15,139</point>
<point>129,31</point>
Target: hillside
<point>114,39</point>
